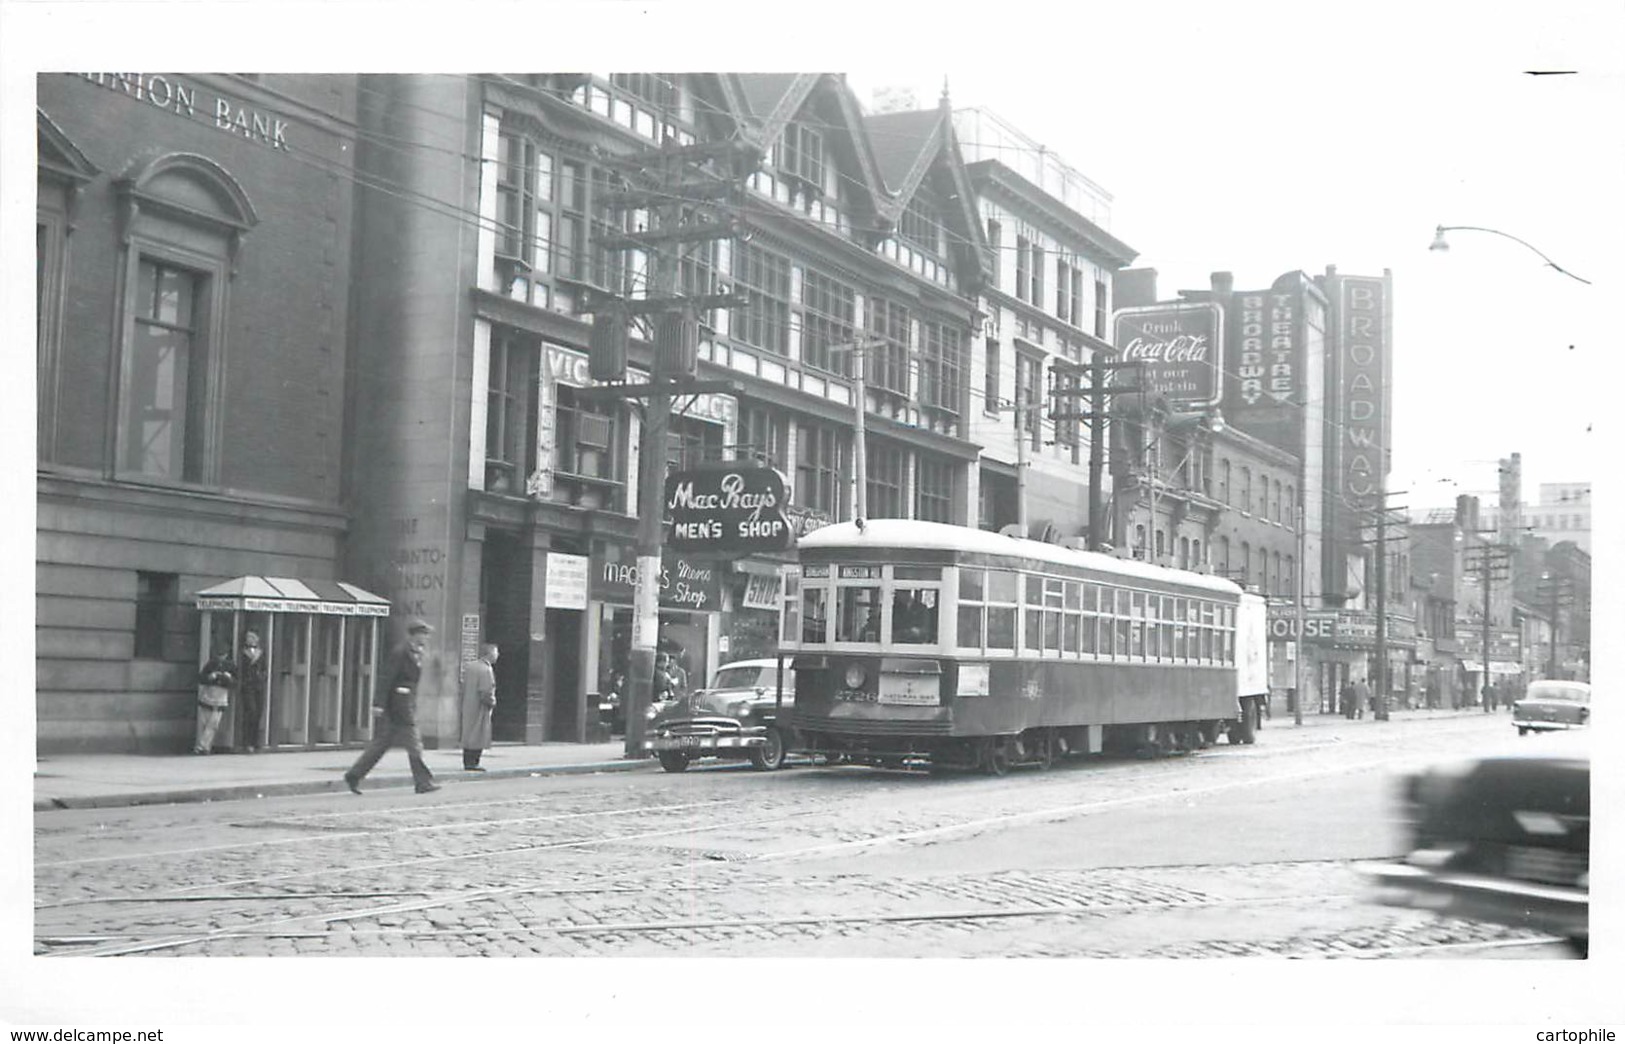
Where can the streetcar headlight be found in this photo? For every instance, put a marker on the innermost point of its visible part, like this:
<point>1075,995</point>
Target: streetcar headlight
<point>855,676</point>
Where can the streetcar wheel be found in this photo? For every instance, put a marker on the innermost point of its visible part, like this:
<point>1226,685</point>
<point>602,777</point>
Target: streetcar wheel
<point>996,758</point>
<point>673,760</point>
<point>1210,733</point>
<point>770,757</point>
<point>1046,751</point>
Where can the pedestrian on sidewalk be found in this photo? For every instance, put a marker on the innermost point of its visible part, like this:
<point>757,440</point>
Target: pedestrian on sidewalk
<point>1362,696</point>
<point>1346,694</point>
<point>479,699</point>
<point>396,721</point>
<point>214,683</point>
<point>251,691</point>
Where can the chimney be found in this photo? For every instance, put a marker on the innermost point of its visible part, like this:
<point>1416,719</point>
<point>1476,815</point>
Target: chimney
<point>1223,283</point>
<point>1134,287</point>
<point>1467,512</point>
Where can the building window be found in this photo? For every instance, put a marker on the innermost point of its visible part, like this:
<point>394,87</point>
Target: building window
<point>1275,487</point>
<point>886,478</point>
<point>1024,256</point>
<point>829,310</point>
<point>1063,290</point>
<point>1263,496</point>
<point>1244,567</point>
<point>764,278</point>
<point>1290,508</point>
<point>1100,309</point>
<point>763,433</point>
<point>1223,564</point>
<point>942,365</point>
<point>691,442</point>
<point>822,456</point>
<point>656,89</point>
<point>921,224</point>
<point>1263,570</point>
<point>155,606</point>
<point>800,155</point>
<point>1224,482</point>
<point>995,235</point>
<point>1246,502</point>
<point>167,371</point>
<point>933,489</point>
<point>1036,296</point>
<point>1277,584</point>
<point>887,367</point>
<point>510,415</point>
<point>1030,395</point>
<point>1076,318</point>
<point>990,379</point>
<point>1291,576</point>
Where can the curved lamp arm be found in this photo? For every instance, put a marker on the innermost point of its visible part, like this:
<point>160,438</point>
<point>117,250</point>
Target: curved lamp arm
<point>1440,244</point>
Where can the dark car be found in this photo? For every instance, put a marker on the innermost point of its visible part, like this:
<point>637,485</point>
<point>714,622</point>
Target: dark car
<point>1504,838</point>
<point>1552,704</point>
<point>736,716</point>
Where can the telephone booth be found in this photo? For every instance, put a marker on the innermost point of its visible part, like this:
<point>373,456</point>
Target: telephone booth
<point>320,641</point>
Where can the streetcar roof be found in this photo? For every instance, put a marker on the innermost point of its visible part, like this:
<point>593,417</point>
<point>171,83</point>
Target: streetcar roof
<point>906,533</point>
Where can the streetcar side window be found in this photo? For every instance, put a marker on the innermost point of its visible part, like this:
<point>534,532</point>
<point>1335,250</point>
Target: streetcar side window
<point>1091,605</point>
<point>972,585</point>
<point>1034,614</point>
<point>814,614</point>
<point>1120,646</point>
<point>1001,610</point>
<point>1136,631</point>
<point>1166,626</point>
<point>1181,649</point>
<point>1070,633</point>
<point>790,606</point>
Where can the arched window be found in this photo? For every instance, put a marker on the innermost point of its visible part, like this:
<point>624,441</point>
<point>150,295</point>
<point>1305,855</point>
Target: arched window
<point>1245,566</point>
<point>1224,482</point>
<point>182,222</point>
<point>1246,502</point>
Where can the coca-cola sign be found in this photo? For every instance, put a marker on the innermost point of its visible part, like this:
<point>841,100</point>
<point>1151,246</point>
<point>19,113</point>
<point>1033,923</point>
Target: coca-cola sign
<point>1180,346</point>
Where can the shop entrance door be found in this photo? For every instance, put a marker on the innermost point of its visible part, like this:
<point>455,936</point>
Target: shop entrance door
<point>564,689</point>
<point>505,564</point>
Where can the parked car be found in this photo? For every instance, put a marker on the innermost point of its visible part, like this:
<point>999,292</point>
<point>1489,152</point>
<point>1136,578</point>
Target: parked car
<point>1552,704</point>
<point>1503,837</point>
<point>737,716</point>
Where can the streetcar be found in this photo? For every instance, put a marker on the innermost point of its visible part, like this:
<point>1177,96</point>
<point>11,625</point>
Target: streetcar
<point>920,643</point>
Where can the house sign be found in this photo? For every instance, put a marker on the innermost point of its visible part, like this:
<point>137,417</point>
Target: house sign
<point>728,509</point>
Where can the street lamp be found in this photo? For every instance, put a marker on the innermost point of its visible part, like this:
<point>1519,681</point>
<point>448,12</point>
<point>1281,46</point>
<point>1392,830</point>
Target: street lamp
<point>1440,244</point>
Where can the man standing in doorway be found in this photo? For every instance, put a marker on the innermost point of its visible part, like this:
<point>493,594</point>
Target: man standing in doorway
<point>396,721</point>
<point>479,697</point>
<point>251,690</point>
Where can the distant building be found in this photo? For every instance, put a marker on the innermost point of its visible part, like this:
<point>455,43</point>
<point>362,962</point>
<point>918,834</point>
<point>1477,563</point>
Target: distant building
<point>1563,513</point>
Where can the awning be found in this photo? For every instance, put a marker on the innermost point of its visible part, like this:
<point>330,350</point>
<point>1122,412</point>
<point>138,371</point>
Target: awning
<point>280,594</point>
<point>1496,667</point>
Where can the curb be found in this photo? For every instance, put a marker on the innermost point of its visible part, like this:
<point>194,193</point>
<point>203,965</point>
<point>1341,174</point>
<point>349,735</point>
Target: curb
<point>243,791</point>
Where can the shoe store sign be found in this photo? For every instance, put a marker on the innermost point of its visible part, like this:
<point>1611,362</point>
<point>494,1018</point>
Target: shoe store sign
<point>727,510</point>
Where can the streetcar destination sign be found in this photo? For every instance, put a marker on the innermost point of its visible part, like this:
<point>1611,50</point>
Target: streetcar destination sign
<point>727,509</point>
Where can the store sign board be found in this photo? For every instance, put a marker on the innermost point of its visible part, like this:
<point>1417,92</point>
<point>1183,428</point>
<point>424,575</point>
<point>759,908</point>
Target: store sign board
<point>762,592</point>
<point>566,581</point>
<point>727,510</point>
<point>684,583</point>
<point>1179,347</point>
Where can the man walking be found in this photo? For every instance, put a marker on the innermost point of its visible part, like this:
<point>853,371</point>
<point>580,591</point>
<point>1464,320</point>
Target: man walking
<point>479,698</point>
<point>396,722</point>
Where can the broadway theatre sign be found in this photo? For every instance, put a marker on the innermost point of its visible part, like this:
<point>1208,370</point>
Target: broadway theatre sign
<point>727,510</point>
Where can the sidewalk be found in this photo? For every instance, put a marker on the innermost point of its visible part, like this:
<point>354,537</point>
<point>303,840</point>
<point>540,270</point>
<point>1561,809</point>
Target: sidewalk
<point>107,780</point>
<point>65,781</point>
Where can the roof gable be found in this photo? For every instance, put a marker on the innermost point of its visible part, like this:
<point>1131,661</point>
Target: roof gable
<point>909,147</point>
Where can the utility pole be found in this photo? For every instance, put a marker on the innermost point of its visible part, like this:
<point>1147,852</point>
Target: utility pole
<point>1297,611</point>
<point>1490,557</point>
<point>859,350</point>
<point>1097,391</point>
<point>1382,511</point>
<point>680,187</point>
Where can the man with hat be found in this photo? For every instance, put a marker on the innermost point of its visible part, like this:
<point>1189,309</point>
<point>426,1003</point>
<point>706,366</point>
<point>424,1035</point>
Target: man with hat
<point>395,712</point>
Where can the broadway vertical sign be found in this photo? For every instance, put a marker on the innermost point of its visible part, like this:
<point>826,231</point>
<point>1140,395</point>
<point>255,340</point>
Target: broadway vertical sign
<point>1362,311</point>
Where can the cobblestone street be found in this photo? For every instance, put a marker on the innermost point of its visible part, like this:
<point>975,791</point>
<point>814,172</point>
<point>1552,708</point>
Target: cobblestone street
<point>1233,851</point>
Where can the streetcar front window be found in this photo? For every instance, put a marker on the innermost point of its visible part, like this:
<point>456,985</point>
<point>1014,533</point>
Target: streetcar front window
<point>914,616</point>
<point>858,614</point>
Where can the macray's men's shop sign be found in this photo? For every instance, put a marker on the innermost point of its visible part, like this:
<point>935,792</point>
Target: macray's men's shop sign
<point>727,509</point>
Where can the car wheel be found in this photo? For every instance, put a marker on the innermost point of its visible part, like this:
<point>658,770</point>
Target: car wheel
<point>673,760</point>
<point>771,756</point>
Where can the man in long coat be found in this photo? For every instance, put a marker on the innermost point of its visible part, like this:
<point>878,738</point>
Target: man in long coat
<point>479,698</point>
<point>395,712</point>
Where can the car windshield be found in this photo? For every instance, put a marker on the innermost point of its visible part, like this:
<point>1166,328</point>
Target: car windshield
<point>742,678</point>
<point>1572,692</point>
